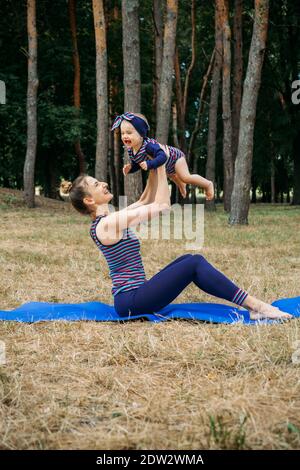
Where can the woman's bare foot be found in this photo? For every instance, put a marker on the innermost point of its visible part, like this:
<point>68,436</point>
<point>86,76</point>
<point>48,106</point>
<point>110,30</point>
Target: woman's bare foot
<point>259,310</point>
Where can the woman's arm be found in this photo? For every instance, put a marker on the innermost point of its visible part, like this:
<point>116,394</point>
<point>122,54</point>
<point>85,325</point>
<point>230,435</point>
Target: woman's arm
<point>116,222</point>
<point>149,192</point>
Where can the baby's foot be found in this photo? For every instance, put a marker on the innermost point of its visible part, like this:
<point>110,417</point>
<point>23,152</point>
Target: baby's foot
<point>182,189</point>
<point>209,191</point>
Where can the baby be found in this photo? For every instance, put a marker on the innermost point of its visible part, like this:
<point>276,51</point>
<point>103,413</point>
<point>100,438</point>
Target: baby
<point>134,130</point>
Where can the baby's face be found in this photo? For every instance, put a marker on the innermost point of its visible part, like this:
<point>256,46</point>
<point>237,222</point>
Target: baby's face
<point>130,136</point>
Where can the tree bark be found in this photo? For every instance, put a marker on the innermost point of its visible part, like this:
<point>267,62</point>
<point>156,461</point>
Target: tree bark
<point>32,87</point>
<point>190,155</point>
<point>210,172</point>
<point>226,104</point>
<point>114,147</point>
<point>165,86</point>
<point>174,125</point>
<point>182,96</point>
<point>76,86</point>
<point>179,100</point>
<point>51,180</point>
<point>131,55</point>
<point>111,165</point>
<point>237,74</point>
<point>133,184</point>
<point>197,126</point>
<point>101,92</point>
<point>193,60</point>
<point>158,21</point>
<point>240,200</point>
<point>117,162</point>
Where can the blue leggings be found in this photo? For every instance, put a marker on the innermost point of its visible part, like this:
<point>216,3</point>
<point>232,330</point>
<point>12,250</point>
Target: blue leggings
<point>166,285</point>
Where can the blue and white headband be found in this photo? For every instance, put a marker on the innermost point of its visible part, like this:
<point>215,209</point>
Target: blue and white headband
<point>138,123</point>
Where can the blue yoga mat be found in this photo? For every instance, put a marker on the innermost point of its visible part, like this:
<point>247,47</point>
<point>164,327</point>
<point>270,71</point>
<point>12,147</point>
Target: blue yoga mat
<point>98,311</point>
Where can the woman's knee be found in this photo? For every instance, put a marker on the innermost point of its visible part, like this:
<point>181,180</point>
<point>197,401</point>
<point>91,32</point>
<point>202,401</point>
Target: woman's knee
<point>198,258</point>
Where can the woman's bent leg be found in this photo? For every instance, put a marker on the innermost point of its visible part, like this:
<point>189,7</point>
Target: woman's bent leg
<point>215,283</point>
<point>166,285</point>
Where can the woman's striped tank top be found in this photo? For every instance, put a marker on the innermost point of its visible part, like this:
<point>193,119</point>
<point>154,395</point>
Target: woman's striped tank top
<point>123,258</point>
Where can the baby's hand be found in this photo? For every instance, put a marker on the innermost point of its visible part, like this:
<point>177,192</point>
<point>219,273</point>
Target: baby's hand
<point>126,168</point>
<point>209,191</point>
<point>143,165</point>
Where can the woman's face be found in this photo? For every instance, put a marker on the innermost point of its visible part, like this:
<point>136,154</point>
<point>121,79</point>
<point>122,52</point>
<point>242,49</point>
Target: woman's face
<point>130,136</point>
<point>98,192</point>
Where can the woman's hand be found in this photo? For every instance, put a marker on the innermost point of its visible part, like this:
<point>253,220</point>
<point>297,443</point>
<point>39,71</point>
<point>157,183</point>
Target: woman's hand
<point>126,168</point>
<point>143,165</point>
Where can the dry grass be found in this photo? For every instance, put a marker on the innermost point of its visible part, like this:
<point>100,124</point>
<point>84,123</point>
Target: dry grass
<point>175,385</point>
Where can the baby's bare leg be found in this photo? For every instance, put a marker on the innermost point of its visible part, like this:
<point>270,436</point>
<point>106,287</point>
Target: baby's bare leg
<point>179,183</point>
<point>183,172</point>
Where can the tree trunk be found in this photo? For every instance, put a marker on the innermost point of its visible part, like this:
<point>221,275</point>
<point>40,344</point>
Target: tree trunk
<point>158,21</point>
<point>210,172</point>
<point>76,86</point>
<point>101,92</point>
<point>199,112</point>
<point>174,125</point>
<point>240,200</point>
<point>111,163</point>
<point>193,60</point>
<point>273,192</point>
<point>226,103</point>
<point>51,179</point>
<point>131,55</point>
<point>32,86</point>
<point>175,194</point>
<point>237,74</point>
<point>118,176</point>
<point>191,157</point>
<point>179,107</point>
<point>133,184</point>
<point>117,162</point>
<point>165,86</point>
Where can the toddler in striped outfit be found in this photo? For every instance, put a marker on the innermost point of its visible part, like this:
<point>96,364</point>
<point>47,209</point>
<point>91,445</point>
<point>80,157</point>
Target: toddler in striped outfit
<point>134,130</point>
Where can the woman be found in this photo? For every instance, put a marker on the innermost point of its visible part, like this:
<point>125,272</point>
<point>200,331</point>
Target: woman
<point>133,293</point>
